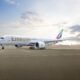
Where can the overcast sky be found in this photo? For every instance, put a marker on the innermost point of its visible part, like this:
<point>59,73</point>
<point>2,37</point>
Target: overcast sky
<point>42,18</point>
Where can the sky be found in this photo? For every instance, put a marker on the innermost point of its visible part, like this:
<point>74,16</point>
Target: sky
<point>40,18</point>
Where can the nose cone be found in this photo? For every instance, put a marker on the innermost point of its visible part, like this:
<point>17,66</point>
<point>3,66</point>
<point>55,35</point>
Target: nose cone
<point>1,40</point>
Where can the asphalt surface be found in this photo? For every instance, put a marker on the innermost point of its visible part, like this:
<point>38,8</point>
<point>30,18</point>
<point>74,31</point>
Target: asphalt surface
<point>51,64</point>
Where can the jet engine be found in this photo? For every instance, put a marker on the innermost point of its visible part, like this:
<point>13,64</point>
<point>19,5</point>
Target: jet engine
<point>18,45</point>
<point>38,45</point>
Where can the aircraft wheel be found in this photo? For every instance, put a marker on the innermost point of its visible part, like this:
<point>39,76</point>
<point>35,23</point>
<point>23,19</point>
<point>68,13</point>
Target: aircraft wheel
<point>2,47</point>
<point>32,47</point>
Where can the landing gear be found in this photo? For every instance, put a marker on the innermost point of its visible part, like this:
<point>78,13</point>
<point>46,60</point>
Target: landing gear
<point>2,47</point>
<point>36,48</point>
<point>32,47</point>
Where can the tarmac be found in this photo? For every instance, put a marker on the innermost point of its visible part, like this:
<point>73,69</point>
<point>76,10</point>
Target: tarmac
<point>50,64</point>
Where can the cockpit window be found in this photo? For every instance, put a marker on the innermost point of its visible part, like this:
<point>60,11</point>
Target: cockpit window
<point>1,37</point>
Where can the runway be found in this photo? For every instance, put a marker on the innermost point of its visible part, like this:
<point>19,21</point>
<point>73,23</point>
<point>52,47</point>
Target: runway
<point>50,64</point>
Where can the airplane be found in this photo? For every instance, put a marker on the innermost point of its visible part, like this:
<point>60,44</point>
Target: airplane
<point>34,43</point>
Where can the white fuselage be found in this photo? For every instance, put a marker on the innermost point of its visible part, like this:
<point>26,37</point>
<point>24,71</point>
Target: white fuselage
<point>14,40</point>
<point>19,41</point>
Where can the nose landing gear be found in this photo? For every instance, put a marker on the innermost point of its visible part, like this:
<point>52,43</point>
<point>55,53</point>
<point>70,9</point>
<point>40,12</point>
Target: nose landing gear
<point>2,47</point>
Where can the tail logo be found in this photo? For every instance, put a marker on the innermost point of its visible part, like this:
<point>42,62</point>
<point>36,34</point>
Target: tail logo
<point>60,34</point>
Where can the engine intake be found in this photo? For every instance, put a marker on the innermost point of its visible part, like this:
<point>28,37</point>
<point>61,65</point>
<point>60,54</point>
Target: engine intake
<point>40,45</point>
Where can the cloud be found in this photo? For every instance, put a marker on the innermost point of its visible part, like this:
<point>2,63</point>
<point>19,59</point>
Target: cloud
<point>75,28</point>
<point>10,1</point>
<point>13,2</point>
<point>74,31</point>
<point>27,19</point>
<point>28,22</point>
<point>32,22</point>
<point>32,19</point>
<point>58,10</point>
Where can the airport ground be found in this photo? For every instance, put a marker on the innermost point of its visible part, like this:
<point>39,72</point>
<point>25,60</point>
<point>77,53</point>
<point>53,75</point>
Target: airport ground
<point>50,64</point>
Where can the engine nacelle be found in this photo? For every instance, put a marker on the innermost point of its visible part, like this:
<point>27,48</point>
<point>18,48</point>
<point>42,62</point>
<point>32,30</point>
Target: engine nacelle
<point>18,45</point>
<point>40,45</point>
